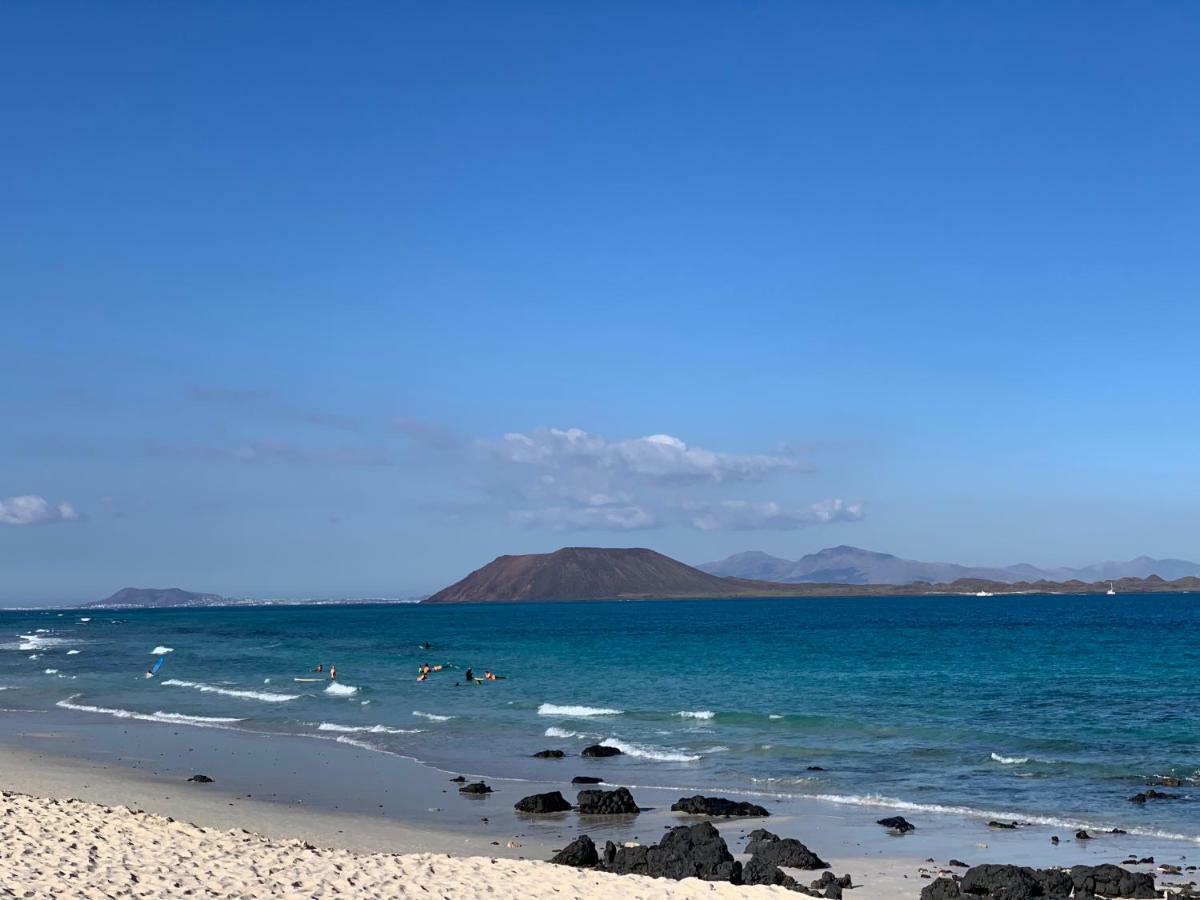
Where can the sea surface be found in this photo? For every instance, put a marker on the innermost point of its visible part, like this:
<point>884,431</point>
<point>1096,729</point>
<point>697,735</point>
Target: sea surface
<point>1046,709</point>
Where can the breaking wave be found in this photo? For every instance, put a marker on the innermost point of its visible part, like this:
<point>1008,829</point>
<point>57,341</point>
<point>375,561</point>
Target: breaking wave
<point>365,729</point>
<point>432,717</point>
<point>265,696</point>
<point>165,718</point>
<point>653,753</point>
<point>578,712</point>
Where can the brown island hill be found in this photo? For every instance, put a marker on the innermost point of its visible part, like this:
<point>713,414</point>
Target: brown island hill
<point>635,573</point>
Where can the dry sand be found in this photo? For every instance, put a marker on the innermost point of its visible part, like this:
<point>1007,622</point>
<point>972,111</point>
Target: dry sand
<point>71,848</point>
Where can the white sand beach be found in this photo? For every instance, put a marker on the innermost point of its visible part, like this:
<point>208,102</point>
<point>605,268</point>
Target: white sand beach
<point>71,848</point>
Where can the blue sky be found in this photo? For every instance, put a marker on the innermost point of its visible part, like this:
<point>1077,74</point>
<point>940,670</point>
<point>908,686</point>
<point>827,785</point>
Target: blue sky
<point>305,301</point>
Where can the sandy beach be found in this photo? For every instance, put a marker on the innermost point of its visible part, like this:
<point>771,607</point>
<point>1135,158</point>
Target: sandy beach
<point>71,848</point>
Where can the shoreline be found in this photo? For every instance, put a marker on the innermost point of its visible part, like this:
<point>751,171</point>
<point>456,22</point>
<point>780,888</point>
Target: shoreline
<point>323,791</point>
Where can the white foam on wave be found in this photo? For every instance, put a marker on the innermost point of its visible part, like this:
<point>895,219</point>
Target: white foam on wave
<point>86,619</point>
<point>698,714</point>
<point>166,718</point>
<point>432,717</point>
<point>160,651</point>
<point>576,712</point>
<point>41,642</point>
<point>556,732</point>
<point>365,729</point>
<point>361,745</point>
<point>1010,760</point>
<point>52,671</point>
<point>341,690</point>
<point>72,652</point>
<point>265,696</point>
<point>649,752</point>
<point>774,716</point>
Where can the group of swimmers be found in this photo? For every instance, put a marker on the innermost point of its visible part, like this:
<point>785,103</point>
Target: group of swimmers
<point>425,670</point>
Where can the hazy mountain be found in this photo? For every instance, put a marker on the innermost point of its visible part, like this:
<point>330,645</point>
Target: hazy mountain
<point>852,565</point>
<point>157,598</point>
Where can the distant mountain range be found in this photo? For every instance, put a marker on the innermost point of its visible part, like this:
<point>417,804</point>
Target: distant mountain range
<point>597,573</point>
<point>852,565</point>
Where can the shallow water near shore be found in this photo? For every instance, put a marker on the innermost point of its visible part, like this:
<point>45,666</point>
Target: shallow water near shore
<point>1053,710</point>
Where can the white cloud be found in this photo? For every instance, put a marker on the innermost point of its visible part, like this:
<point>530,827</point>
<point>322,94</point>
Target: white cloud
<point>33,510</point>
<point>586,518</point>
<point>743,515</point>
<point>657,457</point>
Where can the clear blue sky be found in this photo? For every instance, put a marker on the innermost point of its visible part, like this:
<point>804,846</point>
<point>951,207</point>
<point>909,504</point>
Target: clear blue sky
<point>279,278</point>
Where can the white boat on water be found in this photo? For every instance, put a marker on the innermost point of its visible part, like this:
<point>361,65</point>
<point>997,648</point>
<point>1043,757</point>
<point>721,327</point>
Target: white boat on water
<point>984,594</point>
<point>1111,592</point>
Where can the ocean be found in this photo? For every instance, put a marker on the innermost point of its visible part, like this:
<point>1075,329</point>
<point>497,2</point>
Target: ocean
<point>1046,709</point>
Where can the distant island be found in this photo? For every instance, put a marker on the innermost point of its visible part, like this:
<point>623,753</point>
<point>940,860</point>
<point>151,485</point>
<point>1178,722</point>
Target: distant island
<point>177,598</point>
<point>597,573</point>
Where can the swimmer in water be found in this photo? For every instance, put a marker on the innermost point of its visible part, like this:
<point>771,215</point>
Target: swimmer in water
<point>333,673</point>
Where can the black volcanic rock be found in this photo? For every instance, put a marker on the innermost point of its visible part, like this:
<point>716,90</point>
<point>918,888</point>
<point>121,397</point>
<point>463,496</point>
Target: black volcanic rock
<point>898,824</point>
<point>942,889</point>
<point>599,751</point>
<point>201,779</point>
<point>697,851</point>
<point>716,806</point>
<point>1152,795</point>
<point>580,853</point>
<point>475,787</point>
<point>787,852</point>
<point>1111,881</point>
<point>586,779</point>
<point>541,804</point>
<point>759,871</point>
<point>606,803</point>
<point>549,754</point>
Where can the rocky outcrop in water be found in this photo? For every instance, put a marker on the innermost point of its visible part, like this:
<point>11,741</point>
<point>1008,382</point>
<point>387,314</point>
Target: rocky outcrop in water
<point>831,885</point>
<point>586,779</point>
<point>1152,794</point>
<point>542,804</point>
<point>716,806</point>
<point>607,803</point>
<point>475,787</point>
<point>599,751</point>
<point>897,824</point>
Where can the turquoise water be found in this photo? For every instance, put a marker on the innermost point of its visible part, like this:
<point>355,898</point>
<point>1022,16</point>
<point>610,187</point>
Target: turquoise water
<point>1044,708</point>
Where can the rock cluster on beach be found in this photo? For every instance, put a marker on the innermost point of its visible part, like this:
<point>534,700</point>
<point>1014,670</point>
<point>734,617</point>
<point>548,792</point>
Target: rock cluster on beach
<point>699,851</point>
<point>1003,882</point>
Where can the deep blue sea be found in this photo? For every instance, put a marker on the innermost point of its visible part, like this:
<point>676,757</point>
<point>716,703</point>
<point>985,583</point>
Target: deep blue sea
<point>1043,708</point>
